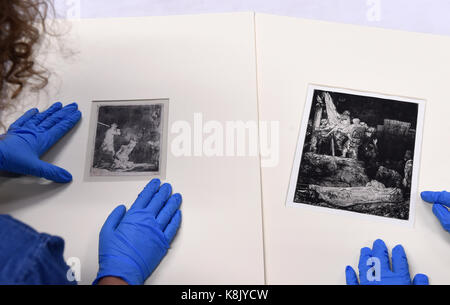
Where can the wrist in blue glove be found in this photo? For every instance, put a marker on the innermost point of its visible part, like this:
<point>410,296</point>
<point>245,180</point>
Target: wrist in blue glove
<point>31,136</point>
<point>374,267</point>
<point>133,243</point>
<point>441,203</point>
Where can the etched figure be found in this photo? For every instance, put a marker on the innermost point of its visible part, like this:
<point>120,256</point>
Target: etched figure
<point>341,133</point>
<point>105,157</point>
<point>356,135</point>
<point>321,141</point>
<point>108,142</point>
<point>345,116</point>
<point>408,169</point>
<point>122,157</point>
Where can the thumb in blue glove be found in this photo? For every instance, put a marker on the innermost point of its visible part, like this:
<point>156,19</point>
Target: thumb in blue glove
<point>441,203</point>
<point>374,267</point>
<point>133,243</point>
<point>31,136</point>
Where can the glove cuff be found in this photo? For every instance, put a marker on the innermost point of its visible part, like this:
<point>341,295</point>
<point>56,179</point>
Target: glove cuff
<point>122,268</point>
<point>106,274</point>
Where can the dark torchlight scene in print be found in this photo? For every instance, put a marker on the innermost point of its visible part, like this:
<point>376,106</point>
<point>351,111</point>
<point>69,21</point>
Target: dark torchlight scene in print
<point>128,139</point>
<point>358,154</point>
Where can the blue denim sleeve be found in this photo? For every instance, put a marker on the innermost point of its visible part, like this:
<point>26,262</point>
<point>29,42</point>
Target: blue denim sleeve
<point>30,258</point>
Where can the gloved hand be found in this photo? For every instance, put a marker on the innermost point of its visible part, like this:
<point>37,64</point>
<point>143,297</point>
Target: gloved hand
<point>374,267</point>
<point>31,136</point>
<point>133,243</point>
<point>440,200</point>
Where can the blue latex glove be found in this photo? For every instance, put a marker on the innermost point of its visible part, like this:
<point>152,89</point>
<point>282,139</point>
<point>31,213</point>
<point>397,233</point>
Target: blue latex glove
<point>133,243</point>
<point>31,136</point>
<point>440,200</point>
<point>398,275</point>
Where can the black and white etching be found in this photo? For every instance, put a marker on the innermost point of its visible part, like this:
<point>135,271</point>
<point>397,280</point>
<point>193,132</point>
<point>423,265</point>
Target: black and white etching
<point>357,153</point>
<point>128,138</point>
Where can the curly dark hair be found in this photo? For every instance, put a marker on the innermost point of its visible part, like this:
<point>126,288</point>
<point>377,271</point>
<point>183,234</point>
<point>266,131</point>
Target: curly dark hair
<point>22,23</point>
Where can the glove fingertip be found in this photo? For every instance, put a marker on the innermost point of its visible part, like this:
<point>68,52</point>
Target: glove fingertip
<point>66,177</point>
<point>439,210</point>
<point>75,118</point>
<point>156,180</point>
<point>430,197</point>
<point>350,276</point>
<point>57,174</point>
<point>115,217</point>
<point>71,121</point>
<point>398,249</point>
<point>72,105</point>
<point>178,197</point>
<point>366,251</point>
<point>51,172</point>
<point>173,226</point>
<point>151,188</point>
<point>379,244</point>
<point>153,185</point>
<point>121,208</point>
<point>167,187</point>
<point>399,259</point>
<point>421,279</point>
<point>55,106</point>
<point>442,214</point>
<point>77,115</point>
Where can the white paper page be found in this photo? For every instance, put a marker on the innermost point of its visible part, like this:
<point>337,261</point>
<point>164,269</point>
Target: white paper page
<point>309,246</point>
<point>203,64</point>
